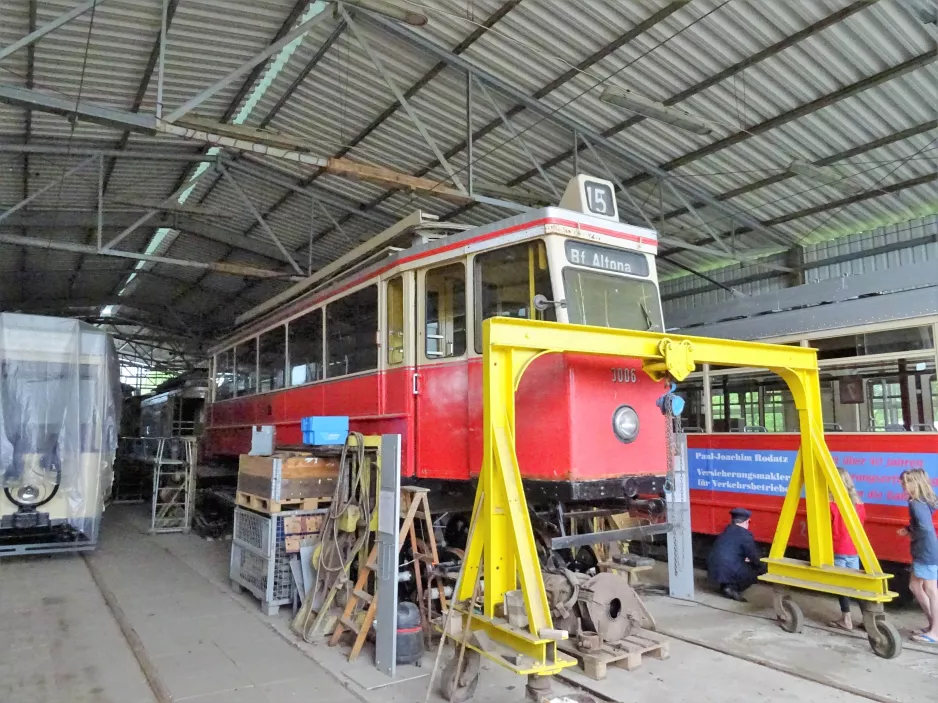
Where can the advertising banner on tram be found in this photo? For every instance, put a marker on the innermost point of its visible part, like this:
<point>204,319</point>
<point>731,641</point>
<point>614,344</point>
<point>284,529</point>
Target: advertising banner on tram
<point>768,471</point>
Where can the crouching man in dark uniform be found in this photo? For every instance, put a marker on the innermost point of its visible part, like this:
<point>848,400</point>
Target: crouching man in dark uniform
<point>734,563</point>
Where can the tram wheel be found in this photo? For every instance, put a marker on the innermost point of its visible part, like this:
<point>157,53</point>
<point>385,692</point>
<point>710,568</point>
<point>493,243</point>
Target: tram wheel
<point>792,618</point>
<point>886,641</point>
<point>463,689</point>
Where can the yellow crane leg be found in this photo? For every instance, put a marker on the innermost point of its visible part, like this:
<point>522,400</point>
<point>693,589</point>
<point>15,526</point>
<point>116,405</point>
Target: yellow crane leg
<point>502,543</point>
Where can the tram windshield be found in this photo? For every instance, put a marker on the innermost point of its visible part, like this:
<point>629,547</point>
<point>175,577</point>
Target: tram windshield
<point>607,300</point>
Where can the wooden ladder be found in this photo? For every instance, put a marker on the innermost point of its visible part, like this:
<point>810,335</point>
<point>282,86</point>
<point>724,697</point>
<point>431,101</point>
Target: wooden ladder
<point>418,507</point>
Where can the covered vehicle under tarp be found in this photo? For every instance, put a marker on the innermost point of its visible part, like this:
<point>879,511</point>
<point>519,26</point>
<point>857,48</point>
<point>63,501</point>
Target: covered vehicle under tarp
<point>60,401</point>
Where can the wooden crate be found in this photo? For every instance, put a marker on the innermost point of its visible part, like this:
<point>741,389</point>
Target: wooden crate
<point>261,504</point>
<point>288,476</point>
<point>626,654</point>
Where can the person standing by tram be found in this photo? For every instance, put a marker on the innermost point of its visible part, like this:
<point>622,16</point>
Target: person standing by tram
<point>924,582</point>
<point>845,553</point>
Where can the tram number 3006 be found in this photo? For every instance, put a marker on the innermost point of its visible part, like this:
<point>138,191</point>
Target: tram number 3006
<point>623,376</point>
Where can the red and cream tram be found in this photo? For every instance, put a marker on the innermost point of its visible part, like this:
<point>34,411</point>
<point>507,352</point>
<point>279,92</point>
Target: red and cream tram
<point>394,343</point>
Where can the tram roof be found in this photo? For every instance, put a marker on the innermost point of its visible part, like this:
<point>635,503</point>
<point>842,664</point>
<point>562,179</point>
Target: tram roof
<point>535,223</point>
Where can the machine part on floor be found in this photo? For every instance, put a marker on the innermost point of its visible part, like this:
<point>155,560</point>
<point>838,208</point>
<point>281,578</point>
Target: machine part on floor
<point>409,638</point>
<point>60,405</point>
<point>459,683</point>
<point>610,607</point>
<point>537,688</point>
<point>588,641</point>
<point>389,518</point>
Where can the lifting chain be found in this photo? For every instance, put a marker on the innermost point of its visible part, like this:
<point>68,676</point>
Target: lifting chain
<point>671,407</point>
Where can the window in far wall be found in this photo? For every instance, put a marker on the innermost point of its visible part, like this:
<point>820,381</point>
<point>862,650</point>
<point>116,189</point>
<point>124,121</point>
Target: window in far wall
<point>246,367</point>
<point>272,360</point>
<point>305,348</point>
<point>224,374</point>
<point>352,333</point>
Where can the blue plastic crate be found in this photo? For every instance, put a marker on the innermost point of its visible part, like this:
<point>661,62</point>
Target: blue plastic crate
<point>324,429</point>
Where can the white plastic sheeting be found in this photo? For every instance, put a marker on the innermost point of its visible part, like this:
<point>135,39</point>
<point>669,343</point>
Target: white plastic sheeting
<point>60,407</point>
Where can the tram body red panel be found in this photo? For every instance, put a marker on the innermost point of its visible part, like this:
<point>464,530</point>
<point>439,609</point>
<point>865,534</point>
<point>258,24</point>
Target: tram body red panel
<point>874,461</point>
<point>564,409</point>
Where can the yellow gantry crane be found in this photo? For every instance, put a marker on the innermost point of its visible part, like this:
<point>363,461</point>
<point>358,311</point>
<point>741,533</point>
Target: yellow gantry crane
<point>501,548</point>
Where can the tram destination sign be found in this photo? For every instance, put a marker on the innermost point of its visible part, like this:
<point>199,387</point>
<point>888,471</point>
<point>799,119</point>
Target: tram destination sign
<point>606,259</point>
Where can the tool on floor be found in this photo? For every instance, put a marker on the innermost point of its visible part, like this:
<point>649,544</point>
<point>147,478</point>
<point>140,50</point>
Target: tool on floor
<point>417,506</point>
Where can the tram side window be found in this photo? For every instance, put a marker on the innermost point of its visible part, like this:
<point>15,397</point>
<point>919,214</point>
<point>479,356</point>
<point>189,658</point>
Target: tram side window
<point>352,333</point>
<point>506,282</point>
<point>272,359</point>
<point>395,303</point>
<point>305,348</point>
<point>445,312</point>
<point>246,367</point>
<point>224,375</point>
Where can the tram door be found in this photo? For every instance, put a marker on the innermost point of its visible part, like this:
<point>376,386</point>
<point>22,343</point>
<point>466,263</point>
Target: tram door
<point>442,379</point>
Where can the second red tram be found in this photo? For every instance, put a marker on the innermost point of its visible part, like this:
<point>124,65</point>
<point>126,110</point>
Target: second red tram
<point>395,344</point>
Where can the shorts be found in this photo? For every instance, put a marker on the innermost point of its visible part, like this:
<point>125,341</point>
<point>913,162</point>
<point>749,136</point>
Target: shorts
<point>847,562</point>
<point>926,572</point>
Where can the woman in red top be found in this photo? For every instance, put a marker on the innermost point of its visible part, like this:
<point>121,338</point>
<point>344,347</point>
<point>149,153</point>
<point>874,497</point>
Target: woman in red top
<point>845,553</point>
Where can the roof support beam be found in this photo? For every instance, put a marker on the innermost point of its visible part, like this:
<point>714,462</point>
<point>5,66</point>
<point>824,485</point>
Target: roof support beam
<point>257,60</point>
<point>922,128</point>
<point>786,117</point>
<point>45,29</point>
<point>48,186</point>
<point>421,42</point>
<point>257,215</point>
<point>58,220</point>
<point>156,54</point>
<point>219,267</point>
<point>414,117</point>
<point>721,76</point>
<point>146,217</point>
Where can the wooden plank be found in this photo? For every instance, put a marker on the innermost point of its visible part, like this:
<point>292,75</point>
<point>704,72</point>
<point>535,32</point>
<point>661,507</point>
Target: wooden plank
<point>266,505</point>
<point>625,654</point>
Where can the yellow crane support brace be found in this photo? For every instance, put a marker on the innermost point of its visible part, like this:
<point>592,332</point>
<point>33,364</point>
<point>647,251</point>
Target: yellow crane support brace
<point>503,543</point>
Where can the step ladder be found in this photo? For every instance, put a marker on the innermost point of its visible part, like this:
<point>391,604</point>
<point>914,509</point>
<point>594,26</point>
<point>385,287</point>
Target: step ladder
<point>418,508</point>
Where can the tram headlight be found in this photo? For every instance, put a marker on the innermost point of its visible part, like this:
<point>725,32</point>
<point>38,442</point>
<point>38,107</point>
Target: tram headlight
<point>28,495</point>
<point>625,423</point>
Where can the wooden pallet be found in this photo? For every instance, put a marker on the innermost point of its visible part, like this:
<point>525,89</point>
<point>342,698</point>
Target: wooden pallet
<point>626,654</point>
<point>269,506</point>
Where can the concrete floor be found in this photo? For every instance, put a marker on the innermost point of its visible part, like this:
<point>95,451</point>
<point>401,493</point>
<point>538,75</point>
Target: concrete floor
<point>201,643</point>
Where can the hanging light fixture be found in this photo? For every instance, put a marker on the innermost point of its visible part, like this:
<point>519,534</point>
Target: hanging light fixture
<point>621,97</point>
<point>388,9</point>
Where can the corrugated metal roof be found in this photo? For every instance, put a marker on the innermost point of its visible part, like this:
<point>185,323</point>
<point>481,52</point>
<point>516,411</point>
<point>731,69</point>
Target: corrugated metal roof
<point>849,77</point>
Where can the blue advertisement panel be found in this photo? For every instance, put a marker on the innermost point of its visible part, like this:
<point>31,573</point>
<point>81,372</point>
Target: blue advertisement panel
<point>768,471</point>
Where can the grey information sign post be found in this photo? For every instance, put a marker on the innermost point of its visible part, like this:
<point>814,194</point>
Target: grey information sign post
<point>389,520</point>
<point>680,549</point>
